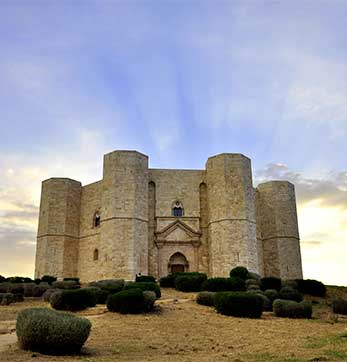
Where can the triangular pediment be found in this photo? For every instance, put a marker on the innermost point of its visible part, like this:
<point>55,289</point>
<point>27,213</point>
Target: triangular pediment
<point>178,231</point>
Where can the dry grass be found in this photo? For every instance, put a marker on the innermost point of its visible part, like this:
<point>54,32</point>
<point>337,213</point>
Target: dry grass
<point>181,330</point>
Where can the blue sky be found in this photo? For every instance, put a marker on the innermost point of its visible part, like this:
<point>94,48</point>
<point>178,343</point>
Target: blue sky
<point>179,81</point>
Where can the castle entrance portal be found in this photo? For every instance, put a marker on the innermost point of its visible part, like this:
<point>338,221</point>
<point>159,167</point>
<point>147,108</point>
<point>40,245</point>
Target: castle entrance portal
<point>178,263</point>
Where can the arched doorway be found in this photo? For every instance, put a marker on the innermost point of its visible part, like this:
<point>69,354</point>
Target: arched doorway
<point>178,263</point>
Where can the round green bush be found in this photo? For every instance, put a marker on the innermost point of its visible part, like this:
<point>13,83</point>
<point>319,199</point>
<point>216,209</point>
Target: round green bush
<point>206,298</point>
<point>73,300</point>
<point>144,286</point>
<point>129,301</point>
<point>289,293</point>
<point>145,278</point>
<point>252,284</point>
<point>272,294</point>
<point>239,304</point>
<point>190,282</point>
<point>311,287</point>
<point>4,287</point>
<point>46,296</point>
<point>340,306</point>
<point>267,303</point>
<point>271,283</point>
<point>15,288</point>
<point>224,285</point>
<point>2,279</point>
<point>68,284</point>
<point>290,283</point>
<point>291,309</point>
<point>149,299</point>
<point>51,332</point>
<point>110,285</point>
<point>48,279</point>
<point>100,294</point>
<point>254,276</point>
<point>18,298</point>
<point>6,298</point>
<point>239,272</point>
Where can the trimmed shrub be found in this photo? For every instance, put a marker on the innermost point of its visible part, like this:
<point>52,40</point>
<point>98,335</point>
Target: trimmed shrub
<point>167,282</point>
<point>46,296</point>
<point>145,278</point>
<point>224,285</point>
<point>18,298</point>
<point>252,284</point>
<point>149,299</point>
<point>100,294</point>
<point>239,304</point>
<point>191,282</point>
<point>6,298</point>
<point>311,287</point>
<point>144,286</point>
<point>48,279</point>
<point>4,287</point>
<point>15,288</point>
<point>291,309</point>
<point>267,303</point>
<point>206,298</point>
<point>340,306</point>
<point>16,280</point>
<point>68,284</point>
<point>272,294</point>
<point>110,285</point>
<point>48,331</point>
<point>288,293</point>
<point>129,301</point>
<point>239,272</point>
<point>290,283</point>
<point>271,283</point>
<point>2,279</point>
<point>73,300</point>
<point>254,276</point>
<point>77,280</point>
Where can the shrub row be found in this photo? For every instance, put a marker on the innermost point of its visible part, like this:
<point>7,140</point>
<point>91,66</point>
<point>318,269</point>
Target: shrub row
<point>224,284</point>
<point>73,300</point>
<point>291,309</point>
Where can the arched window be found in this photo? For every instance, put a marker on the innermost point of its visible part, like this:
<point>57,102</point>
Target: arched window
<point>177,209</point>
<point>97,219</point>
<point>96,254</point>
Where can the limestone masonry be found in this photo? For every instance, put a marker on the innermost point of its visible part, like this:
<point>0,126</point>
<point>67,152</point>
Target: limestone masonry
<point>155,221</point>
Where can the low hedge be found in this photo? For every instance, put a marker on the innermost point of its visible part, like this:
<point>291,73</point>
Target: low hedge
<point>267,303</point>
<point>34,290</point>
<point>100,294</point>
<point>6,298</point>
<point>48,279</point>
<point>190,282</point>
<point>291,309</point>
<point>206,298</point>
<point>288,293</point>
<point>340,306</point>
<point>73,300</point>
<point>15,288</point>
<point>145,278</point>
<point>224,284</point>
<point>292,283</point>
<point>47,294</point>
<point>311,287</point>
<point>77,280</point>
<point>68,284</point>
<point>18,298</point>
<point>239,304</point>
<point>129,301</point>
<point>110,285</point>
<point>167,282</point>
<point>271,283</point>
<point>252,284</point>
<point>239,272</point>
<point>144,287</point>
<point>272,294</point>
<point>2,279</point>
<point>48,331</point>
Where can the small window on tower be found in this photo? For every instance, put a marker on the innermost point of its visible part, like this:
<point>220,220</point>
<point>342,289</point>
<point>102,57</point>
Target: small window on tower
<point>177,209</point>
<point>96,255</point>
<point>97,219</point>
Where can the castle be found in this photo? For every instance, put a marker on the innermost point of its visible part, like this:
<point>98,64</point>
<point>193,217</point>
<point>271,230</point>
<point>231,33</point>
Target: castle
<point>157,221</point>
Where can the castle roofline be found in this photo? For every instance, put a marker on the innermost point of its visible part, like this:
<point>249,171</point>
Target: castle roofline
<point>229,154</point>
<point>125,151</point>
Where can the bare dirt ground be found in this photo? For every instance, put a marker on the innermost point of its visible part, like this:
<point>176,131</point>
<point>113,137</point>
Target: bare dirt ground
<point>181,330</point>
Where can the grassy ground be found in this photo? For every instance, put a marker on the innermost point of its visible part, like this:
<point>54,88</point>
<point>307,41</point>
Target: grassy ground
<point>181,330</point>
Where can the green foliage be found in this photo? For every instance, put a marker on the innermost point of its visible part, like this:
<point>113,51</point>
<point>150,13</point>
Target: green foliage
<point>189,282</point>
<point>288,293</point>
<point>149,298</point>
<point>15,288</point>
<point>254,276</point>
<point>2,279</point>
<point>271,283</point>
<point>224,284</point>
<point>6,298</point>
<point>167,282</point>
<point>18,298</point>
<point>311,287</point>
<point>68,284</point>
<point>144,286</point>
<point>145,278</point>
<point>46,296</point>
<point>272,294</point>
<point>267,303</point>
<point>239,272</point>
<point>340,306</point>
<point>73,300</point>
<point>4,287</point>
<point>206,298</point>
<point>34,290</point>
<point>252,284</point>
<point>48,279</point>
<point>129,301</point>
<point>239,304</point>
<point>47,331</point>
<point>16,280</point>
<point>110,285</point>
<point>77,280</point>
<point>100,294</point>
<point>291,309</point>
<point>290,283</point>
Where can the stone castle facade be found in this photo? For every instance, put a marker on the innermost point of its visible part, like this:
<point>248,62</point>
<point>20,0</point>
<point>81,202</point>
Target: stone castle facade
<point>154,221</point>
